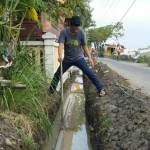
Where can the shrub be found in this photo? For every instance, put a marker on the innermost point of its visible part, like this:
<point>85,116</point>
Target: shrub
<point>30,101</point>
<point>144,59</point>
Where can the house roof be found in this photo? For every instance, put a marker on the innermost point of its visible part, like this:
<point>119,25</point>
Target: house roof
<point>111,45</point>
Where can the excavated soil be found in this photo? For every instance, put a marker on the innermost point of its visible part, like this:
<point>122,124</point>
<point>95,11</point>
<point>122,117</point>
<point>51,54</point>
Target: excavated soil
<point>121,119</point>
<point>9,138</point>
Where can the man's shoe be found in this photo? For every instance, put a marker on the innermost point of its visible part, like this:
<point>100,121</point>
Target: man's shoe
<point>102,93</point>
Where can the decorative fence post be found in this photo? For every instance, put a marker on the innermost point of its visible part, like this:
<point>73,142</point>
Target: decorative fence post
<point>50,53</point>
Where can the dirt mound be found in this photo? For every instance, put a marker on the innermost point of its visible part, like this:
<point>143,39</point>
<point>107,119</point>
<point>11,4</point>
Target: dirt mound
<point>9,138</point>
<point>120,120</point>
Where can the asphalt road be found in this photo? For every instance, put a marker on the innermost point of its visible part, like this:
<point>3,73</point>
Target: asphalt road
<point>138,75</point>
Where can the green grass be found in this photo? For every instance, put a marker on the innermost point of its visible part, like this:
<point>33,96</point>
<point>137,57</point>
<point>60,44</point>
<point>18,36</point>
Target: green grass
<point>28,142</point>
<point>30,101</point>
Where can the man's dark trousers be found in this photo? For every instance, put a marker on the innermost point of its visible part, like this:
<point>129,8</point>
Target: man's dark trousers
<point>80,63</point>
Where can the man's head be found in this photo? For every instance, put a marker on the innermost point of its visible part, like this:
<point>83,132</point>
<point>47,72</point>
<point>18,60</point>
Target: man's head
<point>75,23</point>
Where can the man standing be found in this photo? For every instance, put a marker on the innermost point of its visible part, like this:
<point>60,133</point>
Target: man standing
<point>72,40</point>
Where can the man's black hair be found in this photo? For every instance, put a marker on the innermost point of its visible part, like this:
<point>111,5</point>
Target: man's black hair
<point>75,21</point>
<point>67,21</point>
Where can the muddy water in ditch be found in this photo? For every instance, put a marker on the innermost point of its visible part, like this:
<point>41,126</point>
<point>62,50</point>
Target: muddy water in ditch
<point>74,135</point>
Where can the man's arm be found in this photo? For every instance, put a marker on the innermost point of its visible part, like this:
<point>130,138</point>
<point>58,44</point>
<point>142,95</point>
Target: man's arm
<point>60,51</point>
<point>86,50</point>
<point>61,42</point>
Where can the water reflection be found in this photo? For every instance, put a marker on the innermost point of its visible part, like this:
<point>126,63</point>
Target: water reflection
<point>74,135</point>
<point>79,142</point>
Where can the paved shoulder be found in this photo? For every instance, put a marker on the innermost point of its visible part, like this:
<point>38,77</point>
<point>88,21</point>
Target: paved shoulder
<point>137,74</point>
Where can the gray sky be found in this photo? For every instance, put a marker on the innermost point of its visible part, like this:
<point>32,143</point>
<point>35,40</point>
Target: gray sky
<point>136,23</point>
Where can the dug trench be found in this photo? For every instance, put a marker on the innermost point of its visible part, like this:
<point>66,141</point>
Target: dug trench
<point>118,121</point>
<point>121,119</point>
<point>74,132</point>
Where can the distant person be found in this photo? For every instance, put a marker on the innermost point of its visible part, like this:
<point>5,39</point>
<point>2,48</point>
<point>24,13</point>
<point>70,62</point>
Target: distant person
<point>118,51</point>
<point>72,40</point>
<point>93,52</point>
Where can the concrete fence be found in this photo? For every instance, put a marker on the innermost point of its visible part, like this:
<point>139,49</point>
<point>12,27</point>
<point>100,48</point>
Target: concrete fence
<point>45,53</point>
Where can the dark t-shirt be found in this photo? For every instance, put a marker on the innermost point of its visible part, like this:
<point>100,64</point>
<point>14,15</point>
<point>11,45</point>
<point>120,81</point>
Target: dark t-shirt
<point>73,43</point>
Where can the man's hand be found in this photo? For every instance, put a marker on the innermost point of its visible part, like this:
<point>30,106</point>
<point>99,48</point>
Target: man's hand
<point>60,60</point>
<point>90,60</point>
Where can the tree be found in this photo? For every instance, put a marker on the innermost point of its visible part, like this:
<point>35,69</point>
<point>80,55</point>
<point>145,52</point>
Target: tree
<point>14,11</point>
<point>69,8</point>
<point>99,35</point>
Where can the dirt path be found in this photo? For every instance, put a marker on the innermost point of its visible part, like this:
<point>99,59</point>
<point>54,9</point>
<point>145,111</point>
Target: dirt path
<point>120,120</point>
<point>137,74</point>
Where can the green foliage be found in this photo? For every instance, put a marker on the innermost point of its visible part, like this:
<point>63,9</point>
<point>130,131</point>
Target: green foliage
<point>82,9</point>
<point>28,142</point>
<point>101,34</point>
<point>69,8</point>
<point>144,59</point>
<point>15,10</point>
<point>54,9</point>
<point>141,59</point>
<point>29,101</point>
<point>37,4</point>
<point>23,4</point>
<point>9,32</point>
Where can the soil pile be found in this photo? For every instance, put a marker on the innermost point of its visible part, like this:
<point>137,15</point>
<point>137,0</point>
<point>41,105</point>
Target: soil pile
<point>121,119</point>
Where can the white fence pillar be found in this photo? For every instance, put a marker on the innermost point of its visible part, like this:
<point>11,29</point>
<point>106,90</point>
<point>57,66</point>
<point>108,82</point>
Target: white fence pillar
<point>49,53</point>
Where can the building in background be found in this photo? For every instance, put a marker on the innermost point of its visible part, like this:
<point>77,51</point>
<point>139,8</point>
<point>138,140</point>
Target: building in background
<point>113,49</point>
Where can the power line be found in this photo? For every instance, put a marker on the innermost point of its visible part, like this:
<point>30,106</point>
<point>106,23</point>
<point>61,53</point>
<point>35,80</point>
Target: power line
<point>127,11</point>
<point>106,5</point>
<point>112,4</point>
<point>107,8</point>
<point>116,5</point>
